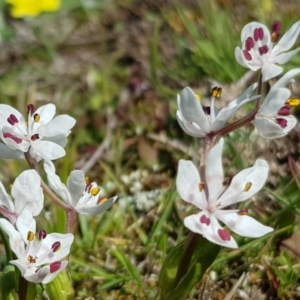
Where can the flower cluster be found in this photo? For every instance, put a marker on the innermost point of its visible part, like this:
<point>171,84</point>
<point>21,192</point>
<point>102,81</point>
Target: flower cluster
<point>272,118</point>
<point>42,137</point>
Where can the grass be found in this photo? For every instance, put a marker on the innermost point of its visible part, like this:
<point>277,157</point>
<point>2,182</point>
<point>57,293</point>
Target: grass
<point>93,62</point>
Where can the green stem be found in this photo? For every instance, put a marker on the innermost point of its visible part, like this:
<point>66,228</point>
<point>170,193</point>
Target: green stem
<point>6,246</point>
<point>23,285</point>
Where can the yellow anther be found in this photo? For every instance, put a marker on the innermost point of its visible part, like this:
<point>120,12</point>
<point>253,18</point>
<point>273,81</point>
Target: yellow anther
<point>247,186</point>
<point>102,200</point>
<point>293,101</point>
<point>198,96</point>
<point>201,186</point>
<point>30,236</point>
<point>87,180</point>
<point>10,186</point>
<point>31,259</point>
<point>216,92</point>
<point>36,118</point>
<point>94,191</point>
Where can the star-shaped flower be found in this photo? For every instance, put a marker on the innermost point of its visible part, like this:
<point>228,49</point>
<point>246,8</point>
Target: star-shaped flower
<point>85,198</point>
<point>44,136</point>
<point>258,52</point>
<point>243,186</point>
<point>38,255</point>
<point>27,194</point>
<point>274,119</point>
<point>198,121</point>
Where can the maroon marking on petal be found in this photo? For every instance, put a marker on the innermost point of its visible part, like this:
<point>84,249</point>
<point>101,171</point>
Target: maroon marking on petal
<point>55,266</point>
<point>30,108</point>
<point>42,234</point>
<point>224,234</point>
<point>56,246</point>
<point>247,55</point>
<point>35,137</point>
<point>249,43</point>
<point>88,188</point>
<point>255,34</point>
<point>265,49</point>
<point>260,33</point>
<point>281,122</point>
<point>12,119</point>
<point>205,220</point>
<point>10,136</point>
<point>284,110</point>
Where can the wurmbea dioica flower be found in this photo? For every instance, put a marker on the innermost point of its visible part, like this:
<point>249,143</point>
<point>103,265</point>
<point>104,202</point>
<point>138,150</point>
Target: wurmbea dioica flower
<point>257,50</point>
<point>27,194</point>
<point>198,121</point>
<point>42,135</point>
<point>274,119</point>
<point>84,197</point>
<point>243,186</point>
<point>39,256</point>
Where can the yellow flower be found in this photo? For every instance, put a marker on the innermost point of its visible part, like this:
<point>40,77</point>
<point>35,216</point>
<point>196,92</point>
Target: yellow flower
<point>32,8</point>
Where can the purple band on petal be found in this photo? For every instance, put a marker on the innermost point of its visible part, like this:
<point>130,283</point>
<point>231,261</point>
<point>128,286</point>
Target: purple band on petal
<point>10,136</point>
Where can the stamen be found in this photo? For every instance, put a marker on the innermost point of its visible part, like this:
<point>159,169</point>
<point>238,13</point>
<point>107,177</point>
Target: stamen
<point>88,188</point>
<point>30,236</point>
<point>247,55</point>
<point>205,220</point>
<point>224,234</point>
<point>102,200</point>
<point>243,212</point>
<point>198,96</point>
<point>216,92</point>
<point>276,28</point>
<point>42,234</point>
<point>10,136</point>
<point>206,110</point>
<point>55,266</point>
<point>56,246</point>
<point>87,180</point>
<point>281,122</point>
<point>30,108</point>
<point>247,186</point>
<point>35,137</point>
<point>95,191</point>
<point>31,259</point>
<point>201,186</point>
<point>293,101</point>
<point>36,118</point>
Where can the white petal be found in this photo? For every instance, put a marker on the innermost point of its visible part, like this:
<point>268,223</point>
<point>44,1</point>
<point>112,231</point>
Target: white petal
<point>15,239</point>
<point>46,113</point>
<point>214,171</point>
<point>210,231</point>
<point>270,71</point>
<point>243,225</point>
<point>287,40</point>
<point>96,209</point>
<point>268,128</point>
<point>285,57</point>
<point>76,185</point>
<point>187,183</point>
<point>229,110</point>
<point>26,223</point>
<point>189,128</point>
<point>5,199</point>
<point>27,192</point>
<point>48,150</point>
<point>55,183</point>
<point>192,110</point>
<point>248,31</point>
<point>6,111</point>
<point>59,125</point>
<point>275,99</point>
<point>239,56</point>
<point>245,184</point>
<point>61,139</point>
<point>286,78</point>
<point>9,153</point>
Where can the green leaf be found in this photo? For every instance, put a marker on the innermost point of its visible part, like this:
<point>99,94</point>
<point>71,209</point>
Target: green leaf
<point>202,257</point>
<point>8,283</point>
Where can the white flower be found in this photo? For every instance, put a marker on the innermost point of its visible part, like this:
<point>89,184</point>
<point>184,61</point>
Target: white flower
<point>85,198</point>
<point>274,119</point>
<point>44,136</point>
<point>27,194</point>
<point>198,121</point>
<point>38,256</point>
<point>243,186</point>
<point>257,50</point>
